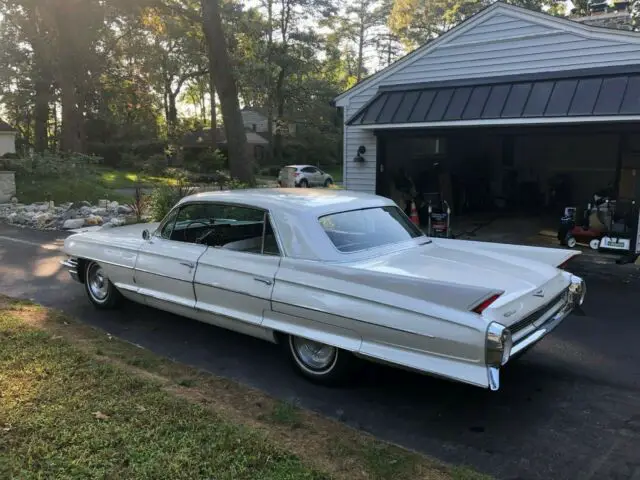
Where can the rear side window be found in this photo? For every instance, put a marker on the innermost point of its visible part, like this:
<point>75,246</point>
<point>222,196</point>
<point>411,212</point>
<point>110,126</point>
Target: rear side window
<point>357,230</point>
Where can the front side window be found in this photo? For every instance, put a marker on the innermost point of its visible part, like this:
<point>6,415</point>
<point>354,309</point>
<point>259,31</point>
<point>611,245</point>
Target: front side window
<point>231,227</point>
<point>357,230</point>
<point>166,228</point>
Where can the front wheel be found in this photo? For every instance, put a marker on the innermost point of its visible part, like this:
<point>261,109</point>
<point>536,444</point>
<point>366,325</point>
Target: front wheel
<point>318,362</point>
<point>328,182</point>
<point>101,292</point>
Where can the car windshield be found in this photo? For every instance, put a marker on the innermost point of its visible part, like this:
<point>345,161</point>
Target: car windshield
<point>356,230</point>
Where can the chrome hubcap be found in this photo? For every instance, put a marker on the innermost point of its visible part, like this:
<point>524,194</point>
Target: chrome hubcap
<point>315,355</point>
<point>98,283</point>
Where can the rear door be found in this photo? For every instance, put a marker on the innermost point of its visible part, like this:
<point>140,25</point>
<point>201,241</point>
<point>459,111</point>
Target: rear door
<point>236,275</point>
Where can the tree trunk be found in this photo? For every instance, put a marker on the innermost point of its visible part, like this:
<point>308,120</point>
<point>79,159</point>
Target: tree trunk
<point>172,119</point>
<point>277,143</point>
<point>271,153</point>
<point>240,165</point>
<point>360,50</point>
<point>71,141</point>
<point>42,97</point>
<point>212,100</point>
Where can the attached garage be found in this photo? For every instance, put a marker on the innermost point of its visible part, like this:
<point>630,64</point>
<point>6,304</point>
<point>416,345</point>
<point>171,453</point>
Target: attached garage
<point>512,109</point>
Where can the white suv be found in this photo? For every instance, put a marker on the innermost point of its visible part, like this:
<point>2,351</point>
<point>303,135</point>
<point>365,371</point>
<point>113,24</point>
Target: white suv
<point>304,176</point>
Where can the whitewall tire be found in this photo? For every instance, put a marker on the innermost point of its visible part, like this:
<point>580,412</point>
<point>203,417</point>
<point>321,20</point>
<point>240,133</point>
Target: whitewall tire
<point>318,362</point>
<point>101,292</point>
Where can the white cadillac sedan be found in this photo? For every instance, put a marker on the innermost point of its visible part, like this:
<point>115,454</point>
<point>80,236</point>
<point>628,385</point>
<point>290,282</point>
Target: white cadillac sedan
<point>333,275</point>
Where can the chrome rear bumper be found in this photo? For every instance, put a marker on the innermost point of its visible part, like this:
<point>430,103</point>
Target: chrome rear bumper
<point>572,299</point>
<point>72,267</point>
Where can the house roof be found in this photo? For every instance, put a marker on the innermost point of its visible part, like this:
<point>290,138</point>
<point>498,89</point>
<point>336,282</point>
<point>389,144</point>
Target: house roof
<point>252,116</point>
<point>202,138</point>
<point>493,10</point>
<point>5,127</point>
<point>607,92</point>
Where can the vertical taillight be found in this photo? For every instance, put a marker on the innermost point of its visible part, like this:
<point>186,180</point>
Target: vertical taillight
<point>485,304</point>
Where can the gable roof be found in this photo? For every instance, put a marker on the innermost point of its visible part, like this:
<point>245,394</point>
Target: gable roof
<point>493,10</point>
<point>202,138</point>
<point>5,127</point>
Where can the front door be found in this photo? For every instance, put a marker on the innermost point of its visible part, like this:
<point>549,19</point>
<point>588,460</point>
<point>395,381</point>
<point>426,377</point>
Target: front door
<point>167,262</point>
<point>236,274</point>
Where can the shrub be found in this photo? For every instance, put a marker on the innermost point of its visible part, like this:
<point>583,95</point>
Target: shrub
<point>164,197</point>
<point>271,171</point>
<point>155,164</point>
<point>50,165</point>
<point>139,203</point>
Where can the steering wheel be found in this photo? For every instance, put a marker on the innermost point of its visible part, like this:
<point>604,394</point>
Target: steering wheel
<point>186,229</point>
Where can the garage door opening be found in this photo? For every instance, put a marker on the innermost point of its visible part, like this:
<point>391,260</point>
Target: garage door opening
<point>523,173</point>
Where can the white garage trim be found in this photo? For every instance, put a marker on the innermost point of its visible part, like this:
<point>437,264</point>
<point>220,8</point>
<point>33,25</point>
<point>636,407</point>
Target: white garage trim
<point>504,122</point>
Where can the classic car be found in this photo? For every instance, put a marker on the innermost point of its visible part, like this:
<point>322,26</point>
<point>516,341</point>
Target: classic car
<point>334,276</point>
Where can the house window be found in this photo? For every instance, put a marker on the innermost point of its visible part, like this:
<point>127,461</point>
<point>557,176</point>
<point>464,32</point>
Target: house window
<point>258,152</point>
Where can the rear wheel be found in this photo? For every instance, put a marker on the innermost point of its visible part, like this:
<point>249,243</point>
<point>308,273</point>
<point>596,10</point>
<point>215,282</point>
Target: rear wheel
<point>304,183</point>
<point>318,362</point>
<point>101,292</point>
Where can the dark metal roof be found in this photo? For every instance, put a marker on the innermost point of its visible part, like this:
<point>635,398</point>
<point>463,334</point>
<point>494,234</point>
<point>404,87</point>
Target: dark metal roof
<point>600,93</point>
<point>5,127</point>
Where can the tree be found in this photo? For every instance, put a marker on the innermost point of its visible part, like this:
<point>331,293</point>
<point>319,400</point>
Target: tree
<point>415,22</point>
<point>225,84</point>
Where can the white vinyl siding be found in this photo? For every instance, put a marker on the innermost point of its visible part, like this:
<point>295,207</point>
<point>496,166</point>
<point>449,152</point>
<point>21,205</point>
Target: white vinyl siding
<point>502,42</point>
<point>7,142</point>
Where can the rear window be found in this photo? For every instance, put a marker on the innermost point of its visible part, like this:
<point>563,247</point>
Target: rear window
<point>357,230</point>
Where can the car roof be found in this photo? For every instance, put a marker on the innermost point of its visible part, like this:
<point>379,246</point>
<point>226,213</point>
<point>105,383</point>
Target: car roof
<point>299,166</point>
<point>295,212</point>
<point>297,201</point>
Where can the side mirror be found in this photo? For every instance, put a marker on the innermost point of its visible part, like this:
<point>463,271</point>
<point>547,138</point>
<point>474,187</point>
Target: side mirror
<point>145,234</point>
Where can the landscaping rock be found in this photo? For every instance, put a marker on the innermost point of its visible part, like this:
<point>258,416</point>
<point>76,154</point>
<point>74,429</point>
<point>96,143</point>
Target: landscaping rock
<point>73,223</point>
<point>103,203</point>
<point>79,205</point>
<point>116,222</point>
<point>69,214</point>
<point>47,216</point>
<point>99,211</point>
<point>93,220</point>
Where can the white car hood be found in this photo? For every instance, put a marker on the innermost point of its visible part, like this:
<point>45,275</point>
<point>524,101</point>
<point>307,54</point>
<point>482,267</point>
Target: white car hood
<point>485,269</point>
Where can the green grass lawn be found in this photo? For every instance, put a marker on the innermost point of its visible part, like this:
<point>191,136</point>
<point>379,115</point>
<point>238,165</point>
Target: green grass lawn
<point>102,184</point>
<point>127,179</point>
<point>77,403</point>
<point>32,189</point>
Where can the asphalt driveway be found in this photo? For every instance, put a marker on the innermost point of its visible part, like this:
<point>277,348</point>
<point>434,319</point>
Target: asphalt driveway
<point>569,409</point>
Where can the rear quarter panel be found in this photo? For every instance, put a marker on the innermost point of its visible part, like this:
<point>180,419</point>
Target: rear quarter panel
<point>357,311</point>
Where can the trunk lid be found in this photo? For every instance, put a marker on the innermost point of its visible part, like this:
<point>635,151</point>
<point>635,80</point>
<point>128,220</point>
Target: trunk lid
<point>513,275</point>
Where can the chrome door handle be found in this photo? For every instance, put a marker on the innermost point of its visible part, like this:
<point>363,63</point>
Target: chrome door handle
<point>263,280</point>
<point>187,264</point>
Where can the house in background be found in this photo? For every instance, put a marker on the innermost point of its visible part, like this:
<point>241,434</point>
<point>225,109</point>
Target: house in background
<point>200,139</point>
<point>7,138</point>
<point>256,121</point>
<point>511,107</point>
